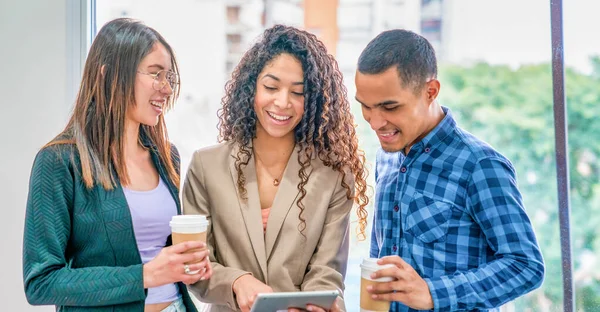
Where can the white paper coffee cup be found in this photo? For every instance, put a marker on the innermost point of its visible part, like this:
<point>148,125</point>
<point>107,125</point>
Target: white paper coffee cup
<point>186,228</point>
<point>368,267</point>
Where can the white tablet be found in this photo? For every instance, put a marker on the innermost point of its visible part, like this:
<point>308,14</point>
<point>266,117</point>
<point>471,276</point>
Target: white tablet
<point>273,302</point>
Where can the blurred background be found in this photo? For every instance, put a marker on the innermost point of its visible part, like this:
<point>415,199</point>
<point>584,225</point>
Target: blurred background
<point>495,72</point>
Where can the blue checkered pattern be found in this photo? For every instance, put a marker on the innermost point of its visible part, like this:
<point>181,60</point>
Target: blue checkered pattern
<point>451,209</point>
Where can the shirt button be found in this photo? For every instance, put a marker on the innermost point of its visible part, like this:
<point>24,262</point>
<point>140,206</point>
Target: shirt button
<point>427,150</point>
<point>403,169</point>
<point>396,208</point>
<point>395,248</point>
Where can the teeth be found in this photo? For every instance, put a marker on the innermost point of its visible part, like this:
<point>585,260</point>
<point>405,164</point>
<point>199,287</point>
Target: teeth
<point>279,117</point>
<point>157,104</point>
<point>389,134</point>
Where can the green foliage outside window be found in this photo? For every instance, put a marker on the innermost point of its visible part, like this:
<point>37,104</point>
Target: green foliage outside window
<point>513,111</point>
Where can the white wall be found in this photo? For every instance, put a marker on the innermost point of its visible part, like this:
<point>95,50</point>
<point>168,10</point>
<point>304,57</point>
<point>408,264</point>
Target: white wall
<point>35,107</point>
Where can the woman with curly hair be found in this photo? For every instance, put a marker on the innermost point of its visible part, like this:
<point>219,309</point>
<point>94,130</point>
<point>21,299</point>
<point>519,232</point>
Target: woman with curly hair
<point>279,187</point>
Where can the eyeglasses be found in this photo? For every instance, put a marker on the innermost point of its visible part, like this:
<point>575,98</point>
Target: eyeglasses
<point>162,78</point>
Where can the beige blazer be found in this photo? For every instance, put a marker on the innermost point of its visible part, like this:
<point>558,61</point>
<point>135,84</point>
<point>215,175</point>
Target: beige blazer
<point>281,258</point>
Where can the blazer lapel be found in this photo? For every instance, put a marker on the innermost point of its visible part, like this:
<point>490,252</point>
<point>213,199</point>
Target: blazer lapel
<point>284,200</point>
<point>250,208</point>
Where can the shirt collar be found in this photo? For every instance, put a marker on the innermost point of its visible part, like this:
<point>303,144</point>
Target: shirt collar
<point>439,133</point>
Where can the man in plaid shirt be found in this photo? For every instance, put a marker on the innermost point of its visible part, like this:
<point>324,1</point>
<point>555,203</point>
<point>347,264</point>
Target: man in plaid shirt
<point>448,211</point>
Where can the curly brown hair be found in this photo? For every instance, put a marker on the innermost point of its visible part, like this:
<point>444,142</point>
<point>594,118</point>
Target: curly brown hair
<point>327,128</point>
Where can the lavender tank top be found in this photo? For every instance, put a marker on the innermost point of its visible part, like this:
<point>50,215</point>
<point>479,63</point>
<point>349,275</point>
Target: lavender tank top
<point>151,212</point>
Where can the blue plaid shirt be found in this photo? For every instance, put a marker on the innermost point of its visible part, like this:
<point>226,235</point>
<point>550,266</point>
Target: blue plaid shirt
<point>452,210</point>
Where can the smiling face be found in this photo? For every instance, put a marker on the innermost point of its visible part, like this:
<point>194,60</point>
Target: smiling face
<point>149,103</point>
<point>399,115</point>
<point>279,98</point>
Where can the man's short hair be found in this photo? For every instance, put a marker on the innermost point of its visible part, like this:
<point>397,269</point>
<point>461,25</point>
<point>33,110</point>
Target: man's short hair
<point>412,55</point>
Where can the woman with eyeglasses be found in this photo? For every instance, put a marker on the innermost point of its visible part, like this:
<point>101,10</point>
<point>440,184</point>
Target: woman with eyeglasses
<point>280,187</point>
<point>102,192</point>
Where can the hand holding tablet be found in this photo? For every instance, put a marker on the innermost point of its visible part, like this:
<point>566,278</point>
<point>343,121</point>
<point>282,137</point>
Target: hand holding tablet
<point>246,289</point>
<point>273,302</point>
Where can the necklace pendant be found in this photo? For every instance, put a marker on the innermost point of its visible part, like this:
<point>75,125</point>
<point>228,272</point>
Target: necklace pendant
<point>276,182</point>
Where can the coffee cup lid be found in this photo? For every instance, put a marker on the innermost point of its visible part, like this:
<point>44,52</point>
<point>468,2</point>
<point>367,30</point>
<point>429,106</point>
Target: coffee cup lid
<point>189,220</point>
<point>371,264</point>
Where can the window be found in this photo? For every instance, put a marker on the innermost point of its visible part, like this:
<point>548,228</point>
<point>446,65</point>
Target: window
<point>495,69</point>
<point>233,14</point>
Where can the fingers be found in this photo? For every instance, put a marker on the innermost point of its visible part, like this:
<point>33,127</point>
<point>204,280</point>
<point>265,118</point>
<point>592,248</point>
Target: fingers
<point>185,246</point>
<point>382,288</point>
<point>395,260</point>
<point>207,271</point>
<point>242,304</point>
<point>203,268</point>
<point>244,307</point>
<point>314,308</point>
<point>192,257</point>
<point>204,272</point>
<point>169,266</point>
<point>390,297</point>
<point>393,272</point>
<point>246,289</point>
<point>384,292</point>
<point>199,268</point>
<point>246,303</point>
<point>400,269</point>
<point>251,300</point>
<point>336,306</point>
<point>190,279</point>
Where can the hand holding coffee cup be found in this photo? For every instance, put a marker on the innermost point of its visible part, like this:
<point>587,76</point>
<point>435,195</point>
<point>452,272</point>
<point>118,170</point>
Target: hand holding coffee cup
<point>367,303</point>
<point>187,260</point>
<point>169,265</point>
<point>399,282</point>
<point>186,228</point>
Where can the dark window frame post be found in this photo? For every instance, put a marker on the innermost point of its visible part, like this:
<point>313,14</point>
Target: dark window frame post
<point>561,149</point>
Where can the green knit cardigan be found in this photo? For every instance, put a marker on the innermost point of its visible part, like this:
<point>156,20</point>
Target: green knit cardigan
<point>79,248</point>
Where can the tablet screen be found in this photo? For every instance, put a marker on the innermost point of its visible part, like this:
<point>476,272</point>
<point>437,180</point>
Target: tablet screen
<point>274,302</point>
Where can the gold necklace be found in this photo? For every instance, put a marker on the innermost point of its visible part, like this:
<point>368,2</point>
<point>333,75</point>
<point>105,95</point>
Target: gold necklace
<point>276,181</point>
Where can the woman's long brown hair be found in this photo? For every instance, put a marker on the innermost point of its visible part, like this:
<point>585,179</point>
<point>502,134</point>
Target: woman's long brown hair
<point>97,124</point>
<point>327,129</point>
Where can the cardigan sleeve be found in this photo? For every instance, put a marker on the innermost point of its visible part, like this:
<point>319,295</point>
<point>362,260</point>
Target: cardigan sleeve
<point>48,279</point>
